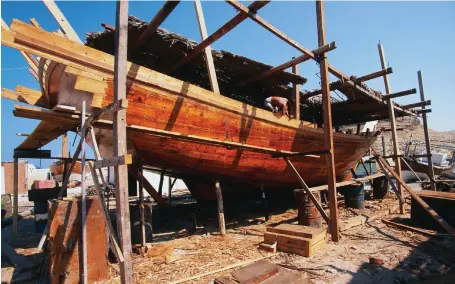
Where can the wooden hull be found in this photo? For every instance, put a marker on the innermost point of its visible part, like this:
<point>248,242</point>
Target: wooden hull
<point>196,111</point>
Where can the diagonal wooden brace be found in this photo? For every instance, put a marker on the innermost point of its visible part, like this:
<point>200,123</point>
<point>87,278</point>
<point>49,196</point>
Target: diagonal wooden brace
<point>308,191</point>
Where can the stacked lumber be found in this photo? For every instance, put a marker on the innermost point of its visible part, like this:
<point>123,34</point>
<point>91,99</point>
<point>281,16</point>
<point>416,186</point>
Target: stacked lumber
<point>297,239</point>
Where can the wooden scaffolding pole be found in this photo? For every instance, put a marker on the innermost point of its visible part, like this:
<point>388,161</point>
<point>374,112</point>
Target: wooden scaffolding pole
<point>219,199</point>
<point>425,131</point>
<point>84,200</point>
<point>65,145</point>
<point>207,50</point>
<point>296,93</point>
<point>62,21</point>
<point>140,176</point>
<point>16,195</point>
<point>121,171</point>
<point>328,134</point>
<point>393,126</point>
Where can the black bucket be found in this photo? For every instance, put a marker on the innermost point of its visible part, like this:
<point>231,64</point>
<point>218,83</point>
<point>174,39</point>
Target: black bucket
<point>354,196</point>
<point>381,187</point>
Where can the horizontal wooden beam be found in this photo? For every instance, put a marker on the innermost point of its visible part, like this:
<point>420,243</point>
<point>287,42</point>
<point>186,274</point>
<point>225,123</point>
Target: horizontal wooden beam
<point>310,153</point>
<point>31,154</point>
<point>286,65</point>
<point>392,156</point>
<point>25,95</point>
<point>112,162</point>
<point>419,111</point>
<point>389,129</point>
<point>159,18</point>
<point>74,119</point>
<point>345,183</point>
<point>418,104</point>
<point>400,94</point>
<point>231,24</point>
<point>313,93</point>
<point>374,75</point>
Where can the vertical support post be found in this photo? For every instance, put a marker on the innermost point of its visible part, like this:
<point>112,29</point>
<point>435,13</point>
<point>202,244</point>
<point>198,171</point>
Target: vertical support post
<point>170,190</point>
<point>328,134</point>
<point>16,195</point>
<point>219,199</point>
<point>384,147</point>
<point>65,145</point>
<point>296,93</point>
<point>121,172</point>
<point>84,200</point>
<point>207,51</point>
<point>425,131</point>
<point>140,172</point>
<point>160,187</point>
<point>358,129</point>
<point>264,204</point>
<point>393,126</point>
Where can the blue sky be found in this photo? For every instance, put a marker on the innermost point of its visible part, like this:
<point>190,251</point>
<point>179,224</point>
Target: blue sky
<point>415,35</point>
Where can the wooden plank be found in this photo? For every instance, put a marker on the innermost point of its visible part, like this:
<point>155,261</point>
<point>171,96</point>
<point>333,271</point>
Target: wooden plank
<point>286,65</point>
<point>399,94</point>
<point>418,104</point>
<point>48,115</point>
<point>413,229</point>
<point>62,21</point>
<point>345,183</point>
<point>16,195</point>
<point>17,260</point>
<point>425,131</point>
<point>327,120</point>
<point>160,186</point>
<point>393,126</point>
<point>219,200</point>
<point>114,161</point>
<point>315,234</point>
<point>235,21</point>
<point>307,190</point>
<point>84,275</point>
<point>374,75</point>
<point>121,172</point>
<point>27,98</point>
<point>154,24</point>
<point>296,94</point>
<point>424,205</point>
<point>34,22</point>
<point>231,266</point>
<point>207,50</point>
<point>255,272</point>
<point>423,111</point>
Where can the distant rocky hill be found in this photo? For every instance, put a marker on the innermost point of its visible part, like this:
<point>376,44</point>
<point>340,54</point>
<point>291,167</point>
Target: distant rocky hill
<point>412,128</point>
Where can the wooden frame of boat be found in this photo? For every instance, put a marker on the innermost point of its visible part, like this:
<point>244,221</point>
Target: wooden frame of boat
<point>70,71</point>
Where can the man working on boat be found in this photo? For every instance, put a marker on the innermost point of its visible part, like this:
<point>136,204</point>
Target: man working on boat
<point>276,103</point>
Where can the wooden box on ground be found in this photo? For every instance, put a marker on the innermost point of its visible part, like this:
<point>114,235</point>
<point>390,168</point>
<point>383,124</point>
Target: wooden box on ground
<point>441,202</point>
<point>65,242</point>
<point>297,239</point>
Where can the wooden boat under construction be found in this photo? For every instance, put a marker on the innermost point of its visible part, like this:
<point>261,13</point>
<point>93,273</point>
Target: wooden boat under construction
<point>161,102</point>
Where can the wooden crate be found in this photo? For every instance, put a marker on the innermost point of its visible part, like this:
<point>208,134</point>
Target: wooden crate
<point>301,240</point>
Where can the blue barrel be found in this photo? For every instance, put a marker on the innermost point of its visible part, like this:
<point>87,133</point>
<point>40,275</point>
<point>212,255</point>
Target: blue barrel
<point>354,196</point>
<point>41,216</point>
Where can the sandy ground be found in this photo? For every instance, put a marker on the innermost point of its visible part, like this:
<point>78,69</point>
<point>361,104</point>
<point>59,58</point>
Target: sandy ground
<point>177,253</point>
